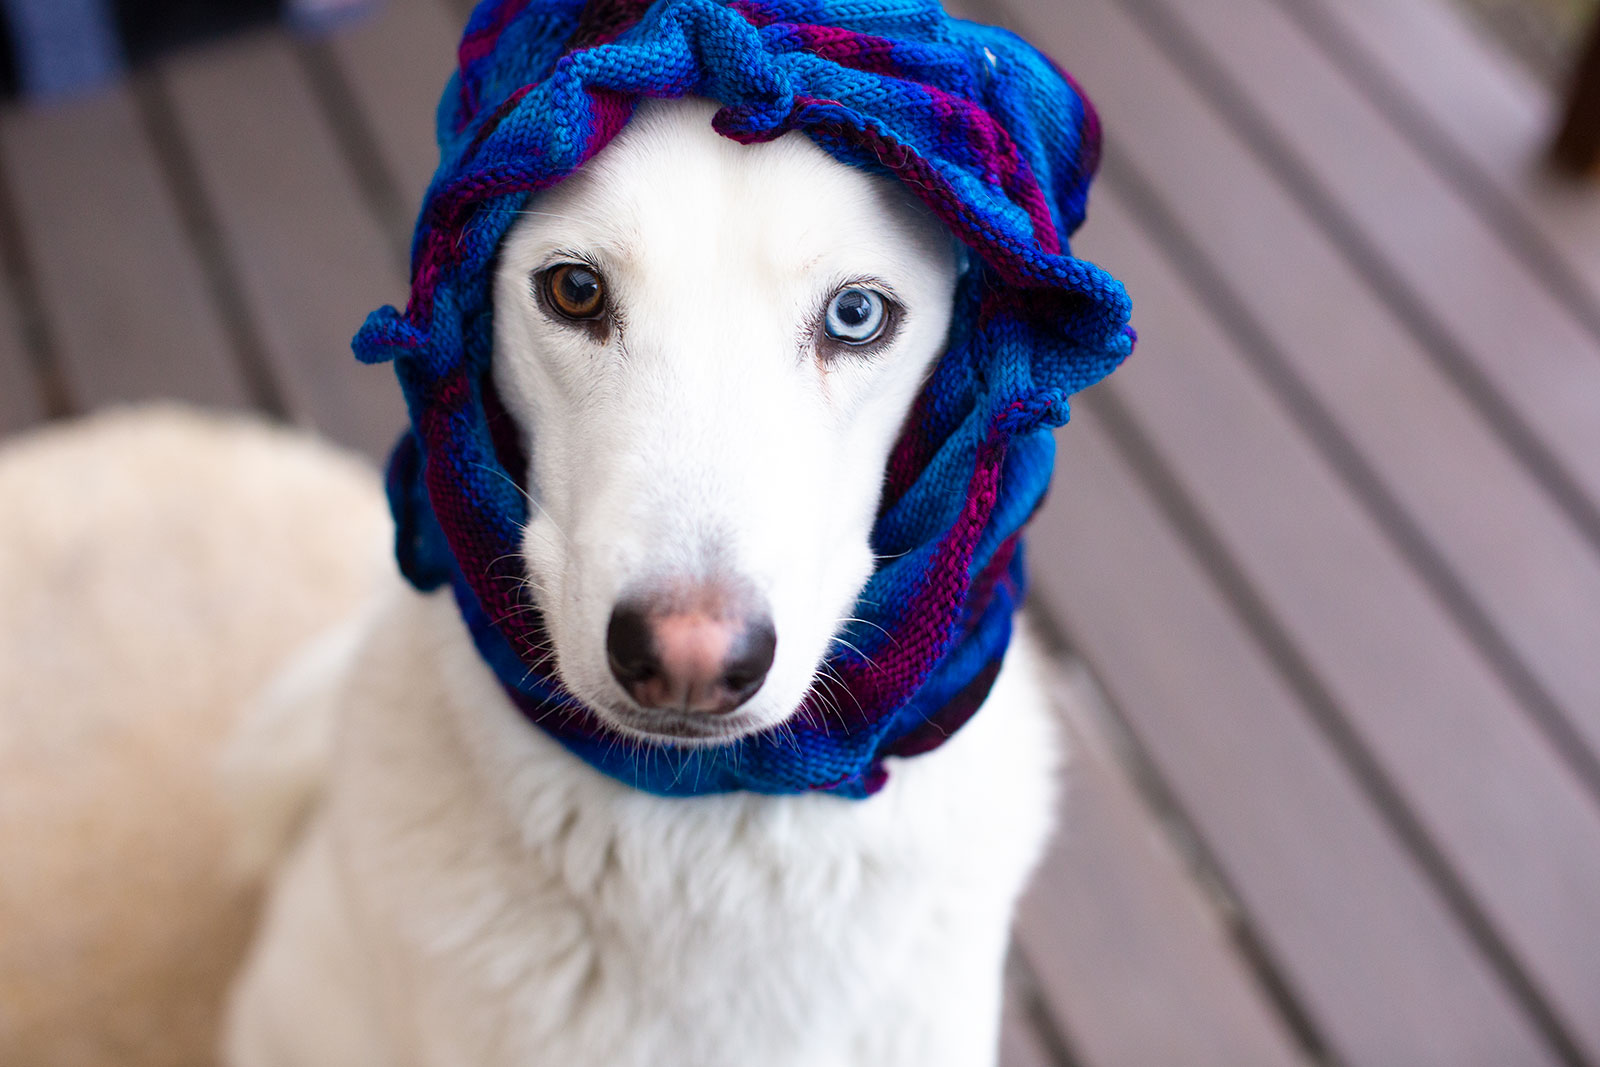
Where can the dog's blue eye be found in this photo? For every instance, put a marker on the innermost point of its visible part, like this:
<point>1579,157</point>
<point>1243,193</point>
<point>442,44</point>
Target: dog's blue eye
<point>856,316</point>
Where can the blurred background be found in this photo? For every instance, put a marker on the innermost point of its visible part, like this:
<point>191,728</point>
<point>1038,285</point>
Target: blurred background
<point>1544,34</point>
<point>1322,563</point>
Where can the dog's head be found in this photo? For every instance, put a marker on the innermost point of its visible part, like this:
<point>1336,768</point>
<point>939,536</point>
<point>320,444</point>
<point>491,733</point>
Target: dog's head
<point>709,349</point>
<point>713,330</point>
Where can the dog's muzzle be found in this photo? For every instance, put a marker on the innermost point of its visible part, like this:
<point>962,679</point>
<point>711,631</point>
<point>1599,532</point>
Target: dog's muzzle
<point>704,653</point>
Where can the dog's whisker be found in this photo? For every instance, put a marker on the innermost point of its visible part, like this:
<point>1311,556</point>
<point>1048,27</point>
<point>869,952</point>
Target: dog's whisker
<point>850,620</point>
<point>844,686</point>
<point>529,497</point>
<point>529,212</point>
<point>496,561</point>
<point>515,610</point>
<point>827,704</point>
<point>868,660</point>
<point>677,774</point>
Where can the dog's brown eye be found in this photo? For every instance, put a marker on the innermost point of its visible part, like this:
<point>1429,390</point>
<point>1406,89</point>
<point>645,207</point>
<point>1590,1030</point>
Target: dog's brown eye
<point>575,291</point>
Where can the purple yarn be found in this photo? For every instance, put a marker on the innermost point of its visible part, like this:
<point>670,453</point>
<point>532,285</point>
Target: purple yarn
<point>982,128</point>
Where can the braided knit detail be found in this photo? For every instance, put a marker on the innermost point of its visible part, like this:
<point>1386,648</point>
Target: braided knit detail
<point>992,137</point>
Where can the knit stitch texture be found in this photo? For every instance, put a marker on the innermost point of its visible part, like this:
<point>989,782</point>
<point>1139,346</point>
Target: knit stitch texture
<point>1000,145</point>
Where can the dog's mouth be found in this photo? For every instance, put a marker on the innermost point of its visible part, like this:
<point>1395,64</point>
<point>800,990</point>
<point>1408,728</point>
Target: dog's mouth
<point>688,729</point>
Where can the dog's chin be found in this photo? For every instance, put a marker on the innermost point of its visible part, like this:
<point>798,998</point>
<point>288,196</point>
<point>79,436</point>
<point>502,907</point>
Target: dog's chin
<point>682,729</point>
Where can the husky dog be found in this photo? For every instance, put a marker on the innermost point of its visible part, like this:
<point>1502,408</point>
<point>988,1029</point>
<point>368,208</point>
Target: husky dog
<point>708,349</point>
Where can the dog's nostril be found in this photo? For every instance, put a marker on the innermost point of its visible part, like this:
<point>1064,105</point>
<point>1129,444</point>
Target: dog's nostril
<point>630,646</point>
<point>689,659</point>
<point>752,658</point>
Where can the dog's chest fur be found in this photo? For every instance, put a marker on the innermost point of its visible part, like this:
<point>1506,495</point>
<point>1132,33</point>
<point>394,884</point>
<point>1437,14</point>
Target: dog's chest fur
<point>469,893</point>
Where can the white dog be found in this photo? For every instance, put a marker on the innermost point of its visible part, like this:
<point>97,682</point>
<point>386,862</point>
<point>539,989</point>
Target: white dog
<point>694,335</point>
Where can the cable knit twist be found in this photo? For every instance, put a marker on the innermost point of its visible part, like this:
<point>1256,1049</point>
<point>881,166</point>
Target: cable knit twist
<point>986,131</point>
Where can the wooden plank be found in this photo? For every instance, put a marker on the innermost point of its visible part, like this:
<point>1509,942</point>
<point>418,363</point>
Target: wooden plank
<point>1515,573</point>
<point>1543,600</point>
<point>1483,117</point>
<point>312,259</point>
<point>1383,972</point>
<point>1515,826</point>
<point>1123,943</point>
<point>21,401</point>
<point>126,299</point>
<point>396,64</point>
<point>1527,362</point>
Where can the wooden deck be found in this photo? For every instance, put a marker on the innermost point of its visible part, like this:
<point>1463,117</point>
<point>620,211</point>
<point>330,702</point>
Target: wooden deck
<point>1325,555</point>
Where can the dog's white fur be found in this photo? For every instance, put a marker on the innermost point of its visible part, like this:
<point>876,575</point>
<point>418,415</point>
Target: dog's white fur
<point>157,566</point>
<point>469,893</point>
<point>708,438</point>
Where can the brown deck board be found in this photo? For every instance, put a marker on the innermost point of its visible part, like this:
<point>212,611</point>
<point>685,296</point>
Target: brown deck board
<point>312,258</point>
<point>396,65</point>
<point>1544,591</point>
<point>1125,946</point>
<point>1532,366</point>
<point>1425,442</point>
<point>126,300</point>
<point>1340,906</point>
<point>1484,117</point>
<point>1448,488</point>
<point>1547,607</point>
<point>1519,831</point>
<point>21,402</point>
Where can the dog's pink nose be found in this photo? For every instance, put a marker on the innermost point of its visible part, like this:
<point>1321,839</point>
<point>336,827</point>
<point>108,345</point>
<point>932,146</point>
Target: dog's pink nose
<point>700,659</point>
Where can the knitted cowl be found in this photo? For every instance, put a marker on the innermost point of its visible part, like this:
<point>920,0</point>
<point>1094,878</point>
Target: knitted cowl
<point>988,133</point>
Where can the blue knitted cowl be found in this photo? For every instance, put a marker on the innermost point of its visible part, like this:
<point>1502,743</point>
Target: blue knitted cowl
<point>983,129</point>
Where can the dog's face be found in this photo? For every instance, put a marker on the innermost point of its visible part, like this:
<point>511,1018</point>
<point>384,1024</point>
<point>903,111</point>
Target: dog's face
<point>710,348</point>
